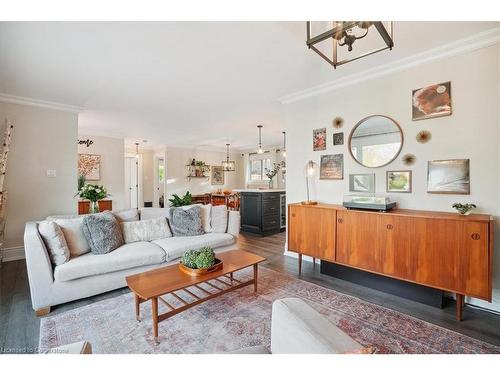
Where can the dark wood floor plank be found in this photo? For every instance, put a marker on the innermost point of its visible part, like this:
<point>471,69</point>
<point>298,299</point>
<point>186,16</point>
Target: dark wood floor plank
<point>19,327</point>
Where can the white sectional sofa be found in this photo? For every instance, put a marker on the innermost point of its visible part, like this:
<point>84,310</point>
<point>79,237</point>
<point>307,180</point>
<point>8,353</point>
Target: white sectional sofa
<point>88,274</point>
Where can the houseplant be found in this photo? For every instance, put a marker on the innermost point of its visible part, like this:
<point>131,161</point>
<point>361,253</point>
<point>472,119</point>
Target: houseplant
<point>93,193</point>
<point>464,208</point>
<point>199,261</point>
<point>270,173</point>
<point>177,201</point>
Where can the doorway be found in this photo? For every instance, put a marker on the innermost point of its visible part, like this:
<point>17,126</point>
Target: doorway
<point>159,176</point>
<point>132,181</point>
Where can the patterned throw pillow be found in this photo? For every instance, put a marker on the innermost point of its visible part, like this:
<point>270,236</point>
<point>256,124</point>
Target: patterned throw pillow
<point>102,232</point>
<point>186,222</point>
<point>145,230</point>
<point>54,240</point>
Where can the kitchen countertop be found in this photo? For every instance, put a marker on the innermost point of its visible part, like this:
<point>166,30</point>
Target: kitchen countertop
<point>260,190</point>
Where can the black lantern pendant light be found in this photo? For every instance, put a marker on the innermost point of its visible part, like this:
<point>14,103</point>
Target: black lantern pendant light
<point>228,165</point>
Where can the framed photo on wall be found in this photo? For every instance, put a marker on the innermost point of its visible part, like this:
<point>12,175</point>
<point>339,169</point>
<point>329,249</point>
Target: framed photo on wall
<point>448,176</point>
<point>432,101</point>
<point>332,167</point>
<point>319,139</point>
<point>398,181</point>
<point>362,183</point>
<point>217,175</point>
<point>338,139</point>
<point>89,166</point>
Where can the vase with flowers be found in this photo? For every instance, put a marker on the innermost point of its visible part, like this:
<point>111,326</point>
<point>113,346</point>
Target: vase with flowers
<point>270,173</point>
<point>93,193</point>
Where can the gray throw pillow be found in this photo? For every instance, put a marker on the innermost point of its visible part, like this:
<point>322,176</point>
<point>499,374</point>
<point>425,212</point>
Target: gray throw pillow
<point>102,232</point>
<point>186,222</point>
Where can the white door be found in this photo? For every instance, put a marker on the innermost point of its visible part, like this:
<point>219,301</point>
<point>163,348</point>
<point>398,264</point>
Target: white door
<point>131,183</point>
<point>159,190</point>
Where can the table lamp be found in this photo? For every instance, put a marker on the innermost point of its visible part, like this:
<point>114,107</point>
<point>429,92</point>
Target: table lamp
<point>310,170</point>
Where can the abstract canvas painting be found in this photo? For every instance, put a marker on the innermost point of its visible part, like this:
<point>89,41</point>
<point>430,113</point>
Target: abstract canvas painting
<point>448,176</point>
<point>332,167</point>
<point>432,101</point>
<point>89,166</point>
<point>319,139</point>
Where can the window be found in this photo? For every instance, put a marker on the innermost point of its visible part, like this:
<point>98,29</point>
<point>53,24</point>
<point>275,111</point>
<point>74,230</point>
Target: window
<point>258,169</point>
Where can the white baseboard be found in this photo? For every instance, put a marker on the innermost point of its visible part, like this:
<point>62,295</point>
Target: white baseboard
<point>12,253</point>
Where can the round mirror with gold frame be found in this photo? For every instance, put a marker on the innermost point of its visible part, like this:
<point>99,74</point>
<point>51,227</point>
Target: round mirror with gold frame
<point>376,141</point>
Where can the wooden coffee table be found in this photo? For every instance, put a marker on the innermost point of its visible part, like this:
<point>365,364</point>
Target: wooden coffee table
<point>152,285</point>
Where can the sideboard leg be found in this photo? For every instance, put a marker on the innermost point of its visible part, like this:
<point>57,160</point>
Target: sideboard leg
<point>314,262</point>
<point>460,306</point>
<point>300,263</point>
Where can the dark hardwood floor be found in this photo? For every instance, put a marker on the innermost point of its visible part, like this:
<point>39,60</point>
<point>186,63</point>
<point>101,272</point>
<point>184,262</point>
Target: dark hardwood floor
<point>19,327</point>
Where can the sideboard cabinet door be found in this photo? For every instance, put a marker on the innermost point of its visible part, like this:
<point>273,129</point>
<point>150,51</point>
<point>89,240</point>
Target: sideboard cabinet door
<point>312,232</point>
<point>475,260</point>
<point>357,240</point>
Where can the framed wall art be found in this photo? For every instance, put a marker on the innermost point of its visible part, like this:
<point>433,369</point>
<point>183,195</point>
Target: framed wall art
<point>398,181</point>
<point>217,175</point>
<point>432,101</point>
<point>448,176</point>
<point>362,183</point>
<point>319,139</point>
<point>89,166</point>
<point>331,167</point>
<point>338,139</point>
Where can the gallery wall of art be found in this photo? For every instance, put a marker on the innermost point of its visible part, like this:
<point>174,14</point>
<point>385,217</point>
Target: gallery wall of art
<point>470,132</point>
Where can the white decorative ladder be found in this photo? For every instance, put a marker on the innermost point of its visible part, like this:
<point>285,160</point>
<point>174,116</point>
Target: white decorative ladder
<point>3,169</point>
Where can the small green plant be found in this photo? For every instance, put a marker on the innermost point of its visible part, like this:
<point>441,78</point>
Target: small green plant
<point>463,208</point>
<point>179,202</point>
<point>199,258</point>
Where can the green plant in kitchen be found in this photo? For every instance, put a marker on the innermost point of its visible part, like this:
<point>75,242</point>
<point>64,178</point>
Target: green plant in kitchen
<point>179,202</point>
<point>270,173</point>
<point>464,208</point>
<point>199,258</point>
<point>93,193</point>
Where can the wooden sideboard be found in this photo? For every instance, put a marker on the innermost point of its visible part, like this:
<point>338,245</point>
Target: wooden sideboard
<point>104,205</point>
<point>442,250</point>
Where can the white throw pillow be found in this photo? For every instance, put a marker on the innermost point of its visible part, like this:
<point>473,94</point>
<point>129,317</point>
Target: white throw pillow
<point>206,213</point>
<point>54,239</point>
<point>219,219</point>
<point>72,230</point>
<point>145,230</point>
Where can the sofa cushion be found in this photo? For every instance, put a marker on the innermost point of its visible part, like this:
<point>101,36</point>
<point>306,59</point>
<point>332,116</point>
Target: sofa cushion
<point>206,213</point>
<point>102,232</point>
<point>54,240</point>
<point>127,256</point>
<point>174,247</point>
<point>128,214</point>
<point>145,230</point>
<point>72,230</point>
<point>186,222</point>
<point>149,213</point>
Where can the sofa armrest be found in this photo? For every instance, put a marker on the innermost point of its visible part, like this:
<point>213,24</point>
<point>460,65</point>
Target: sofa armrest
<point>296,328</point>
<point>40,272</point>
<point>233,223</point>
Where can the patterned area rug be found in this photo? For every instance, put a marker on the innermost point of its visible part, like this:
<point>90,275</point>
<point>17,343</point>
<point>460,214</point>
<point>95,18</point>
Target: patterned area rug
<point>240,319</point>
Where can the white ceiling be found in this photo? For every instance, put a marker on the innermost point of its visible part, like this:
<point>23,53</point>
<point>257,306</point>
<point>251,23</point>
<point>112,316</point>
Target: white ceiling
<point>185,83</point>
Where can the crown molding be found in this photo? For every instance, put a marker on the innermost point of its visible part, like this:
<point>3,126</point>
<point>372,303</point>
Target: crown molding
<point>7,98</point>
<point>477,41</point>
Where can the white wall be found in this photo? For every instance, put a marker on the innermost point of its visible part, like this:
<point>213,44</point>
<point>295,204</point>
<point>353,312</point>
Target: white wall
<point>112,165</point>
<point>42,139</point>
<point>178,158</point>
<point>472,131</point>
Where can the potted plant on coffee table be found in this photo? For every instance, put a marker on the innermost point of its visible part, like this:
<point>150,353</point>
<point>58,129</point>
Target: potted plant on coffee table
<point>200,261</point>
